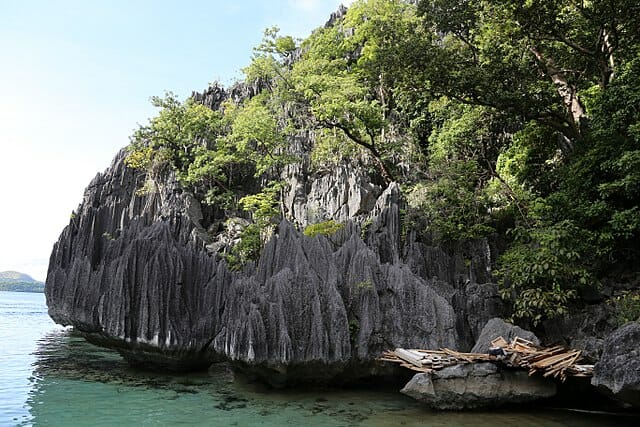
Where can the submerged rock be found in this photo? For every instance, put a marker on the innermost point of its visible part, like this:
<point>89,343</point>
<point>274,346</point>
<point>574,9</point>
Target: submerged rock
<point>476,385</point>
<point>618,370</point>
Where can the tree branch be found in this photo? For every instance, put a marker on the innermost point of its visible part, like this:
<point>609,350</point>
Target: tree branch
<point>384,170</point>
<point>567,92</point>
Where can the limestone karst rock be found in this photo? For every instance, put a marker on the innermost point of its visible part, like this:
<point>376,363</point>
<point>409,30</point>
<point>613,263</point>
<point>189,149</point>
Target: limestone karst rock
<point>132,271</point>
<point>618,370</point>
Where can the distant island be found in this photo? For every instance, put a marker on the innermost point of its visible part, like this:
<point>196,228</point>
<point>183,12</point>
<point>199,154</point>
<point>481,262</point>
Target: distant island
<point>14,281</point>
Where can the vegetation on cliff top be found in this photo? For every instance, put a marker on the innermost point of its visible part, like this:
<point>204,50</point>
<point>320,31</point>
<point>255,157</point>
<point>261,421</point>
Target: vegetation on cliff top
<point>516,118</point>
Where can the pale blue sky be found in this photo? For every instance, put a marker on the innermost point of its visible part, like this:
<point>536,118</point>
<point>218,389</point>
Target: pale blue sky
<point>76,77</point>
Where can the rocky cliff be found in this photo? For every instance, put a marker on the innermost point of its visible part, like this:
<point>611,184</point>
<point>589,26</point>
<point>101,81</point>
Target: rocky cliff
<point>145,271</point>
<point>132,271</point>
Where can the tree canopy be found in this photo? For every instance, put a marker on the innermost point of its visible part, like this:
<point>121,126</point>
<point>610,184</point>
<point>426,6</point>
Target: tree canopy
<point>515,119</point>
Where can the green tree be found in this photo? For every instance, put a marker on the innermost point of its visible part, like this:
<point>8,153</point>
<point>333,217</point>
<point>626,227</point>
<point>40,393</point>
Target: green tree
<point>268,64</point>
<point>187,136</point>
<point>256,134</point>
<point>348,76</point>
<point>457,195</point>
<point>532,58</point>
<point>178,132</point>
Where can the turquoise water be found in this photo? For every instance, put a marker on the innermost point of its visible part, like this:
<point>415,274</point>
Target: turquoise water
<point>49,377</point>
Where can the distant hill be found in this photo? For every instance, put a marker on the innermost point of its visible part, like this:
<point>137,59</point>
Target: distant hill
<point>13,276</point>
<point>19,282</point>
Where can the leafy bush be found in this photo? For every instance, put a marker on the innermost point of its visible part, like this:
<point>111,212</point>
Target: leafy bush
<point>263,205</point>
<point>248,249</point>
<point>541,272</point>
<point>326,228</point>
<point>452,206</point>
<point>628,307</point>
<point>365,284</point>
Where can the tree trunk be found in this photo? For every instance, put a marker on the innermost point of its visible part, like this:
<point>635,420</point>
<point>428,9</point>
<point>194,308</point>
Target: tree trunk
<point>566,90</point>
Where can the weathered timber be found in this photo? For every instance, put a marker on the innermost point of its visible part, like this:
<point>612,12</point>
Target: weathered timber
<point>556,361</point>
<point>408,356</point>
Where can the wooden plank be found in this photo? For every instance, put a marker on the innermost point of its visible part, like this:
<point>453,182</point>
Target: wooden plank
<point>430,352</point>
<point>457,355</point>
<point>499,342</point>
<point>416,354</point>
<point>551,360</point>
<point>543,355</point>
<point>561,367</point>
<point>416,369</point>
<point>519,340</point>
<point>408,357</point>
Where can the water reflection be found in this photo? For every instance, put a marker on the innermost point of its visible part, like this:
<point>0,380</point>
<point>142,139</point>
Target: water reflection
<point>76,383</point>
<point>74,380</point>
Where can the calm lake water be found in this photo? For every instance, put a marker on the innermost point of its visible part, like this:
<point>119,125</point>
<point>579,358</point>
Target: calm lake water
<point>49,377</point>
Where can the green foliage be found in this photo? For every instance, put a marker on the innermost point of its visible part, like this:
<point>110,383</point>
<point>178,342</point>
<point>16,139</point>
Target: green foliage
<point>532,58</point>
<point>188,137</point>
<point>179,132</point>
<point>248,249</point>
<point>213,153</point>
<point>542,271</point>
<point>273,43</point>
<point>256,135</point>
<point>531,161</point>
<point>627,307</point>
<point>331,148</point>
<point>139,157</point>
<point>563,76</point>
<point>600,188</point>
<point>268,62</point>
<point>264,205</point>
<point>451,206</point>
<point>326,228</point>
<point>365,284</point>
<point>261,68</point>
<point>456,199</point>
<point>495,115</point>
<point>365,226</point>
<point>348,76</point>
<point>149,187</point>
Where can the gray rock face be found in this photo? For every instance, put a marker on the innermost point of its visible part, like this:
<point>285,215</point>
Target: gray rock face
<point>132,271</point>
<point>462,275</point>
<point>618,370</point>
<point>499,328</point>
<point>476,385</point>
<point>584,329</point>
<point>315,199</point>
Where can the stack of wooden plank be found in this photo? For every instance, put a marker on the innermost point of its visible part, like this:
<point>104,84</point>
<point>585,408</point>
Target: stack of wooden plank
<point>430,360</point>
<point>556,361</point>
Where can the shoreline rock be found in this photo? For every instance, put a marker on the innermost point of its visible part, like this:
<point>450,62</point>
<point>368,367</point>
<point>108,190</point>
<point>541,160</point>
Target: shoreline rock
<point>477,385</point>
<point>617,372</point>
